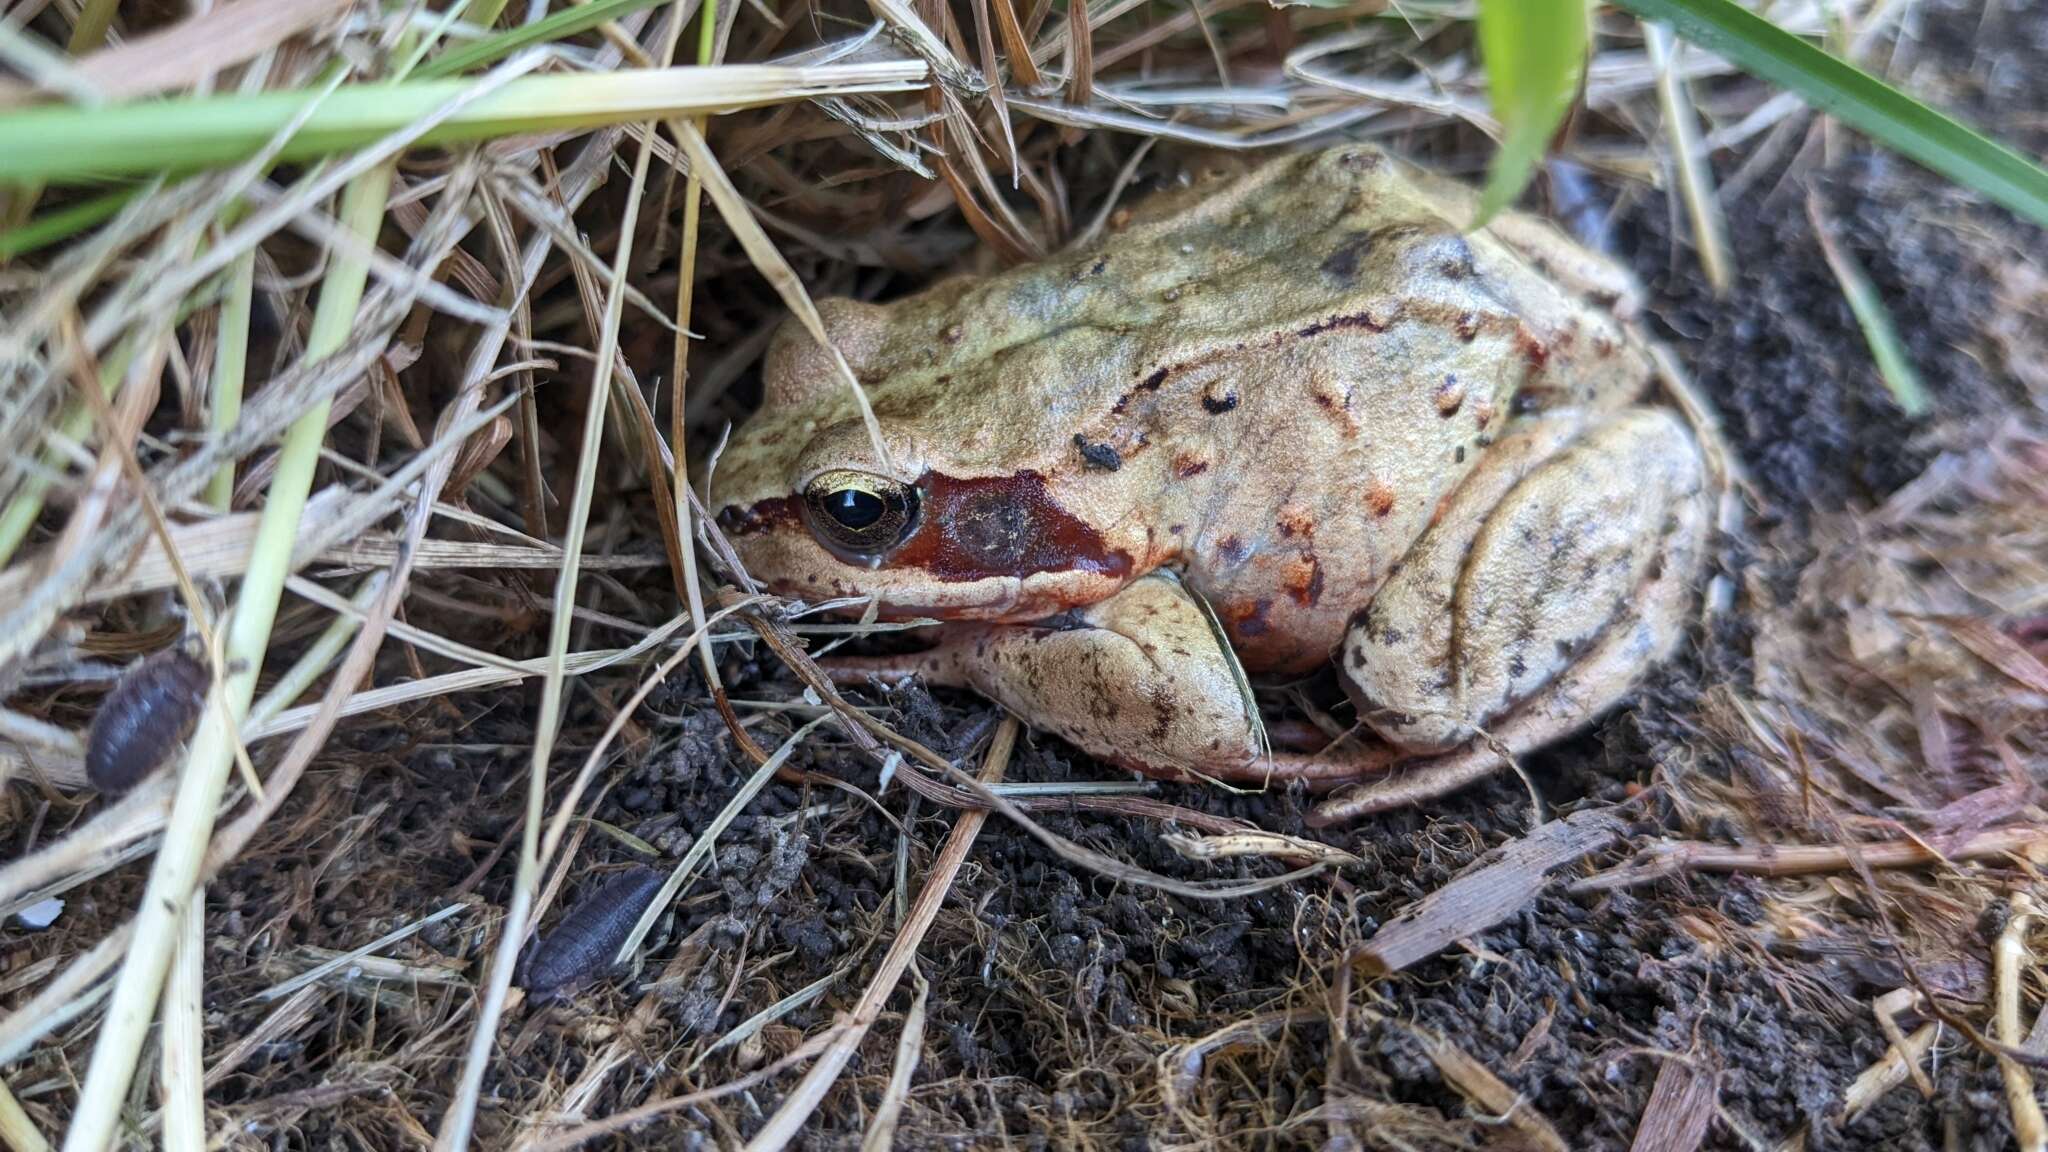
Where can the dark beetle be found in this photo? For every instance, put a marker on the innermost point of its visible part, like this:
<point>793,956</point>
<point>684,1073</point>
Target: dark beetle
<point>150,711</point>
<point>585,939</point>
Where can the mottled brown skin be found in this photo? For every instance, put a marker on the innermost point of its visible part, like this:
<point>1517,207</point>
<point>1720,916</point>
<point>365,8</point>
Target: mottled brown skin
<point>1300,392</point>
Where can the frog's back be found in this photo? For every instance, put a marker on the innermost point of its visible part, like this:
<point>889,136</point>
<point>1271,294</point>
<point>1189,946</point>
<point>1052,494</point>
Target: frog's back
<point>1348,356</point>
<point>1348,240</point>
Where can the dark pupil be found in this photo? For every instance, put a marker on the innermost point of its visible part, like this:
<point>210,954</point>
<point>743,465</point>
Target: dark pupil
<point>853,507</point>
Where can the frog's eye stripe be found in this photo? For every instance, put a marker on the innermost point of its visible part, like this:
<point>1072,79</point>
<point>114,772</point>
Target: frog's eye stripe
<point>859,512</point>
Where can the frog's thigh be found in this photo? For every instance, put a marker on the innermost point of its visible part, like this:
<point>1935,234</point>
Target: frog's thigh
<point>1510,590</point>
<point>1578,694</point>
<point>1141,681</point>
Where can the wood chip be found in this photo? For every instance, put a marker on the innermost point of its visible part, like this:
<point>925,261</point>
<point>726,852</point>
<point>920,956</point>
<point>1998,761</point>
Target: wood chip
<point>2001,652</point>
<point>1671,857</point>
<point>1890,1071</point>
<point>1681,1106</point>
<point>1486,1092</point>
<point>1495,889</point>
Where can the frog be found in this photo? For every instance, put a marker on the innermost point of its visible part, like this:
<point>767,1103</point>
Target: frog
<point>1278,416</point>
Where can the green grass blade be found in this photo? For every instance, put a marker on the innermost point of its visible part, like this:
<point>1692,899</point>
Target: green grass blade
<point>62,224</point>
<point>1535,52</point>
<point>62,143</point>
<point>1894,363</point>
<point>555,26</point>
<point>230,368</point>
<point>1858,99</point>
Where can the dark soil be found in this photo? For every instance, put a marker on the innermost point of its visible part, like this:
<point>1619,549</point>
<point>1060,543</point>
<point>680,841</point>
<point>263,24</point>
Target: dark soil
<point>1059,999</point>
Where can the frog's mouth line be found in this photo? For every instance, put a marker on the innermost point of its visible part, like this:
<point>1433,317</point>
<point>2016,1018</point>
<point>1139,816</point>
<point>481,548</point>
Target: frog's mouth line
<point>968,530</point>
<point>957,601</point>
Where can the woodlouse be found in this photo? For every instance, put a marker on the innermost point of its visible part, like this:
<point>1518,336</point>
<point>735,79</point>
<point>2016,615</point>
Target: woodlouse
<point>584,941</point>
<point>150,711</point>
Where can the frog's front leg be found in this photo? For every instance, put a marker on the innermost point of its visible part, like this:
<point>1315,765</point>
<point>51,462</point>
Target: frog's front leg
<point>1139,679</point>
<point>1558,574</point>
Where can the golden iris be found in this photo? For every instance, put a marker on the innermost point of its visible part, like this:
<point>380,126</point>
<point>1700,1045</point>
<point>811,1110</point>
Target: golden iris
<point>860,512</point>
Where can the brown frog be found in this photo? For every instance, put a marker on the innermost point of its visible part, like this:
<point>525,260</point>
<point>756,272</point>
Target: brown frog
<point>1302,395</point>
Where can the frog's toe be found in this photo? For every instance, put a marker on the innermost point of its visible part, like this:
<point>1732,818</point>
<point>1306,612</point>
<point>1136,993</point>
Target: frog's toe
<point>941,667</point>
<point>1405,787</point>
<point>1321,771</point>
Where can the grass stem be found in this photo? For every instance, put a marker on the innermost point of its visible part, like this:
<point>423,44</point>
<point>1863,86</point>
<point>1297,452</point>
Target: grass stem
<point>212,750</point>
<point>68,143</point>
<point>27,504</point>
<point>230,368</point>
<point>459,1120</point>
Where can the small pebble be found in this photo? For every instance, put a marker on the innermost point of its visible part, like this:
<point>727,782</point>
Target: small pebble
<point>41,914</point>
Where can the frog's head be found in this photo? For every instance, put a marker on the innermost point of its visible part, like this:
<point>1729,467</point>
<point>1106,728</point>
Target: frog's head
<point>958,516</point>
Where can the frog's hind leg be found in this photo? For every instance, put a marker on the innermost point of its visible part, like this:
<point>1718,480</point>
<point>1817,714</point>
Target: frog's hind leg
<point>1580,694</point>
<point>1550,583</point>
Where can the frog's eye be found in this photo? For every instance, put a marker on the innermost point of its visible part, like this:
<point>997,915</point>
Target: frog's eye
<point>860,512</point>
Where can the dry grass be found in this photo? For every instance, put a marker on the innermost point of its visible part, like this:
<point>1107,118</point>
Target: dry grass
<point>405,820</point>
